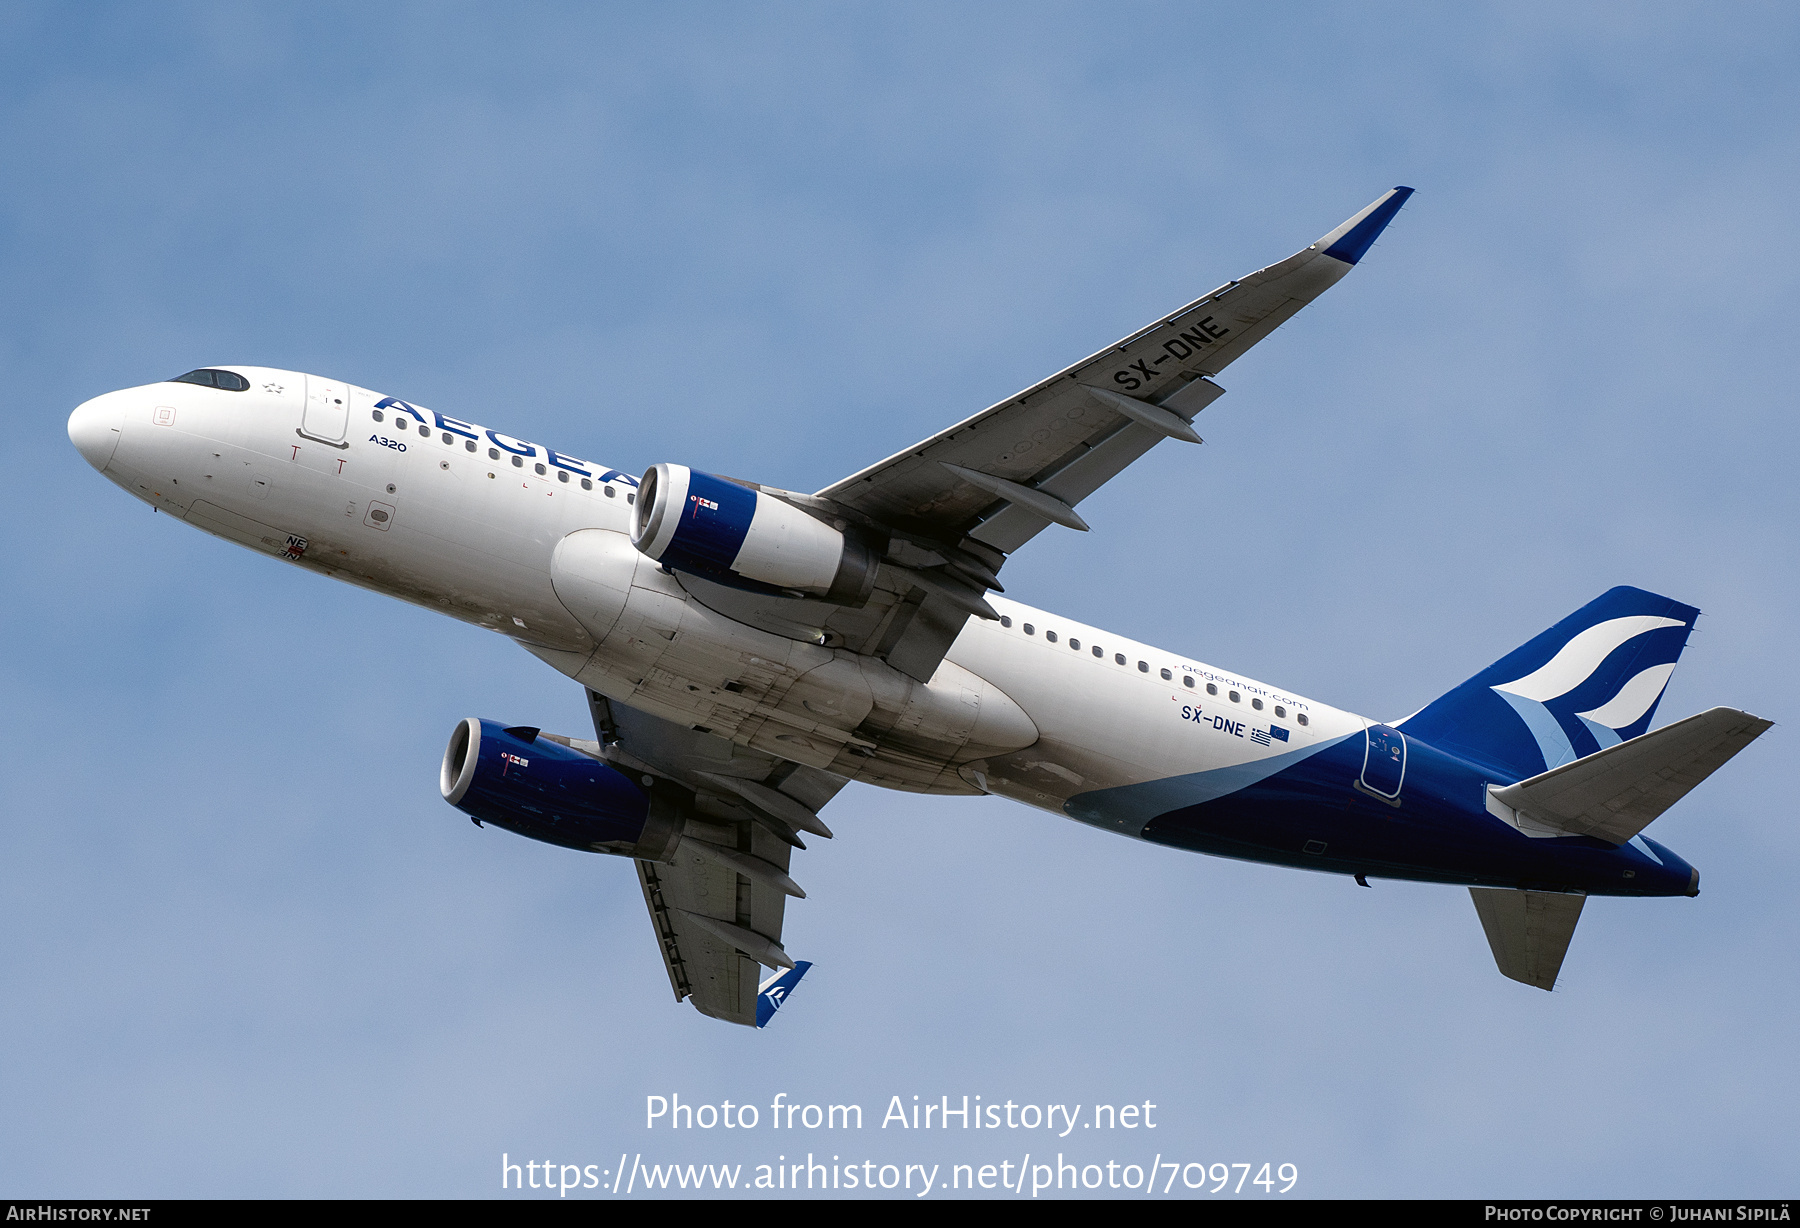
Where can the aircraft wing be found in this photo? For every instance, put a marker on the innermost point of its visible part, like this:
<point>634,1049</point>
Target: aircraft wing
<point>953,507</point>
<point>1006,474</point>
<point>717,909</point>
<point>950,509</point>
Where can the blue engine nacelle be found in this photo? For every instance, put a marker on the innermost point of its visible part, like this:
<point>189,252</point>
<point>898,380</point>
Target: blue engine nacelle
<point>515,779</point>
<point>713,528</point>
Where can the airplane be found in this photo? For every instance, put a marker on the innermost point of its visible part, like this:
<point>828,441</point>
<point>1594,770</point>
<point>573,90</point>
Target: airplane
<point>748,650</point>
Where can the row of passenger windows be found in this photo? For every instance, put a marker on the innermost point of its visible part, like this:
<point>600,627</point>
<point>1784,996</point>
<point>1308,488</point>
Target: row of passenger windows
<point>1187,680</point>
<point>207,377</point>
<point>562,475</point>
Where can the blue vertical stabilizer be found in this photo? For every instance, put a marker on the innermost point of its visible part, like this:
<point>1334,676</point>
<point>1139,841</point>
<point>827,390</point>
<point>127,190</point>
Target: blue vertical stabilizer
<point>1591,681</point>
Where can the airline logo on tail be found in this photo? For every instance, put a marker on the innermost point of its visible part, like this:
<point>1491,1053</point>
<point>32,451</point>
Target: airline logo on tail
<point>1590,682</point>
<point>774,992</point>
<point>1571,669</point>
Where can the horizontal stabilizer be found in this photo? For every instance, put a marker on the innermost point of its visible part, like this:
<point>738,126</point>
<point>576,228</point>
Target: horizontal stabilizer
<point>1615,793</point>
<point>1529,931</point>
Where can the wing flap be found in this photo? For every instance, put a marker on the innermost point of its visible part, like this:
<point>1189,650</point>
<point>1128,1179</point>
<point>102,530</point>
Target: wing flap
<point>715,925</point>
<point>719,905</point>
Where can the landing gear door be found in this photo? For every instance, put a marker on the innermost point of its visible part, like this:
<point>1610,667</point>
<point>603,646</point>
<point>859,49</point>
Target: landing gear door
<point>327,414</point>
<point>1384,761</point>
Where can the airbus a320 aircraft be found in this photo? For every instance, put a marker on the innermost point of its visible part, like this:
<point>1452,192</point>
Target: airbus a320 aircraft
<point>748,650</point>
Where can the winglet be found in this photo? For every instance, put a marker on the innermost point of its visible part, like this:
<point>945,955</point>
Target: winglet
<point>775,991</point>
<point>1349,241</point>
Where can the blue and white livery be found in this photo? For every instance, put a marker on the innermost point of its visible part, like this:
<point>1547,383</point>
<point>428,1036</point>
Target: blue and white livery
<point>775,992</point>
<point>747,650</point>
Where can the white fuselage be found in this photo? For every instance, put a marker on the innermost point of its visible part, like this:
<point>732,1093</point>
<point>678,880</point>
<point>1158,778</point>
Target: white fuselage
<point>532,543</point>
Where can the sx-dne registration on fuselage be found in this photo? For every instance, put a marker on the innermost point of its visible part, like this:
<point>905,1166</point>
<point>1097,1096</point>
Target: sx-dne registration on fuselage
<point>747,650</point>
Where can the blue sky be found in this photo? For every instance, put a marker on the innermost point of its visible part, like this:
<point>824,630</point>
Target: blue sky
<point>251,952</point>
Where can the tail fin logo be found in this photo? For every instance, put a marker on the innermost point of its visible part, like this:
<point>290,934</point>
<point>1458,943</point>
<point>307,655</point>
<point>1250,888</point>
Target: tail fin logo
<point>1591,681</point>
<point>1570,670</point>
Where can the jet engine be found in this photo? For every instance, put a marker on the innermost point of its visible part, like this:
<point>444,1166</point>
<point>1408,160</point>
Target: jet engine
<point>716,529</point>
<point>513,778</point>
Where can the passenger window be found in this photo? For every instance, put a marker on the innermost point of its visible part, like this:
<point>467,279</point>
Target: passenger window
<point>1098,651</point>
<point>1280,711</point>
<point>1143,667</point>
<point>631,498</point>
<point>1302,719</point>
<point>1030,630</point>
<point>1257,704</point>
<point>518,463</point>
<point>1234,697</point>
<point>1187,680</point>
<point>609,492</point>
<point>379,416</point>
<point>540,470</point>
<point>1118,658</point>
<point>1005,620</point>
<point>586,485</point>
<point>1211,689</point>
<point>1051,636</point>
<point>1075,644</point>
<point>562,475</point>
<point>493,453</point>
<point>449,438</point>
<point>468,445</point>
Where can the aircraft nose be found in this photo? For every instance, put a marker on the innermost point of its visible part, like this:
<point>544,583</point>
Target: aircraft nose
<point>94,429</point>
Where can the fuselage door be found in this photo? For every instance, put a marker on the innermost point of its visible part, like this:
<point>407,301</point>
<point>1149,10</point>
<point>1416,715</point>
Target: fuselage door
<point>1384,760</point>
<point>327,414</point>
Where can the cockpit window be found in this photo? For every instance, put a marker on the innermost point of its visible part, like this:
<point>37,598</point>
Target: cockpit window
<point>230,381</point>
